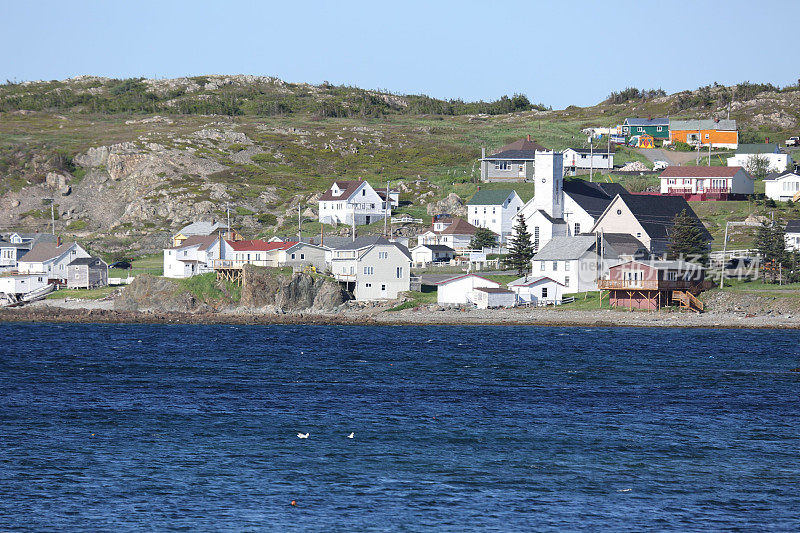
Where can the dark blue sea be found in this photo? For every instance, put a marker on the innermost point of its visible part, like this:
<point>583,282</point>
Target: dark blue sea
<point>149,427</point>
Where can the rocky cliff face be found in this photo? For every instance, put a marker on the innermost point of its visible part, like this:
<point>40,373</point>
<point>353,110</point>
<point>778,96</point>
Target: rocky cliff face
<point>264,290</point>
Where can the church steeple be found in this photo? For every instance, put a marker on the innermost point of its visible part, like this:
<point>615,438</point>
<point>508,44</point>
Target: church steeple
<point>548,174</point>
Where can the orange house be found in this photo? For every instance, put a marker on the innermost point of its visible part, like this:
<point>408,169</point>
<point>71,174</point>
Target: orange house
<point>717,133</point>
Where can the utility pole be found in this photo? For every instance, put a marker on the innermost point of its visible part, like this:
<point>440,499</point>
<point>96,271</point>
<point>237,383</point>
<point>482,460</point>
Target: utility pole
<point>709,154</point>
<point>385,209</point>
<point>591,160</point>
<point>299,224</point>
<point>228,211</point>
<point>53,215</point>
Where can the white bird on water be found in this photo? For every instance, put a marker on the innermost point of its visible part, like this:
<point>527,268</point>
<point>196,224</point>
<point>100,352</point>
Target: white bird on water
<point>302,435</point>
<point>351,435</point>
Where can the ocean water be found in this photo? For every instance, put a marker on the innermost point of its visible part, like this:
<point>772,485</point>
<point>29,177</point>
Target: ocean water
<point>150,427</point>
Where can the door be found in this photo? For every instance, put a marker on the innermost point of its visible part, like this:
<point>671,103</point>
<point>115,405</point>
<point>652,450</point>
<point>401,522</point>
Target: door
<point>383,291</point>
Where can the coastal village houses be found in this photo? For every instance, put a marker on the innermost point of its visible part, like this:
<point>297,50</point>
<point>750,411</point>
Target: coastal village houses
<point>792,232</point>
<point>707,183</point>
<point>537,290</point>
<point>453,232</point>
<point>658,128</point>
<point>354,203</point>
<point>15,245</point>
<point>460,290</point>
<point>203,229</point>
<point>372,267</point>
<point>195,255</point>
<point>719,133</point>
<point>584,160</point>
<point>513,162</point>
<point>650,285</point>
<point>574,261</point>
<point>494,209</point>
<point>782,186</point>
<point>648,218</point>
<point>777,160</point>
<point>87,273</point>
<point>51,259</point>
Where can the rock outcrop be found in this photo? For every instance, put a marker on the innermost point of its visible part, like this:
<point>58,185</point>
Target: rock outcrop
<point>452,204</point>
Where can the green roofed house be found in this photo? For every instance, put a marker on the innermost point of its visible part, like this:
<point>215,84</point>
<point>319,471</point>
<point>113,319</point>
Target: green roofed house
<point>494,209</point>
<point>657,127</point>
<point>777,161</point>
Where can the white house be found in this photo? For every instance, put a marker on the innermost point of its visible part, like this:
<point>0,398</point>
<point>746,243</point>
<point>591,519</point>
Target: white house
<point>459,289</point>
<point>19,284</point>
<point>537,290</point>
<point>574,262</point>
<point>431,253</point>
<point>492,298</point>
<point>352,202</point>
<point>16,245</point>
<point>703,182</point>
<point>584,159</point>
<point>372,267</point>
<point>793,235</point>
<point>782,187</point>
<point>455,233</point>
<point>302,254</point>
<point>494,209</point>
<point>778,161</point>
<point>196,255</point>
<point>51,258</point>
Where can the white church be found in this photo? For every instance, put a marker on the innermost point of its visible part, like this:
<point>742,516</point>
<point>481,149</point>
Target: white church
<point>561,208</point>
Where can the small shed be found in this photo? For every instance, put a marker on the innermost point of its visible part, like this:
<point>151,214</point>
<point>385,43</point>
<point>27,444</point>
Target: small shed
<point>539,290</point>
<point>19,284</point>
<point>432,253</point>
<point>459,289</point>
<point>87,273</point>
<point>491,297</point>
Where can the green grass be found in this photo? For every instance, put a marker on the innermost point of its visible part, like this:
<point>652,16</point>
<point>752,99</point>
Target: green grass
<point>206,288</point>
<point>584,301</point>
<point>86,294</point>
<point>791,290</point>
<point>417,299</point>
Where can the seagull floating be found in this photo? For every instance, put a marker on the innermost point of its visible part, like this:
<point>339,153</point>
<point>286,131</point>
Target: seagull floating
<point>351,435</point>
<point>302,435</point>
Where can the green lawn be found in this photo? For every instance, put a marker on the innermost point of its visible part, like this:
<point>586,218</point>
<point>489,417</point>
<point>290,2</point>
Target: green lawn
<point>86,294</point>
<point>417,299</point>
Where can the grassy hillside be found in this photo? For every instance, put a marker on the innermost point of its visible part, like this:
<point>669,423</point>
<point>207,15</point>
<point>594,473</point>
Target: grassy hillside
<point>261,146</point>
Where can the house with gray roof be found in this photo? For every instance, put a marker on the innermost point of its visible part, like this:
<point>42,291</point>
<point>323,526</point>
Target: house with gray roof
<point>574,261</point>
<point>372,267</point>
<point>52,259</point>
<point>354,202</point>
<point>13,246</point>
<point>494,209</point>
<point>719,133</point>
<point>87,273</point>
<point>512,162</point>
<point>777,161</point>
<point>658,128</point>
<point>202,229</point>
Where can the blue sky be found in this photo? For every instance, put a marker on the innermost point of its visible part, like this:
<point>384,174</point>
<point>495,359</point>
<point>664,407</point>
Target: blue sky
<point>558,53</point>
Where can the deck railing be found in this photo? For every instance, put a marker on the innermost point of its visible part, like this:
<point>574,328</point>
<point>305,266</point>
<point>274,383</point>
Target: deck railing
<point>645,284</point>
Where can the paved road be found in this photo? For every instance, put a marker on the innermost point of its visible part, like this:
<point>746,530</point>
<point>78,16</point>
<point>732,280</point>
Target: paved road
<point>673,158</point>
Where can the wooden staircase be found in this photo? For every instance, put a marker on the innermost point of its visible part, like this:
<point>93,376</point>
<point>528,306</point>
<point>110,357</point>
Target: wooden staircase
<point>687,300</point>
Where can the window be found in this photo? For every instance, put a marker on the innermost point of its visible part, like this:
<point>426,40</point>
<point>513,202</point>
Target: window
<point>363,192</point>
<point>583,156</point>
<point>577,228</point>
<point>566,281</point>
<point>369,270</point>
<point>619,211</point>
<point>399,272</point>
<point>368,285</point>
<point>502,165</point>
<point>544,292</point>
<point>383,255</point>
<point>542,266</point>
<point>706,135</point>
<point>672,275</point>
<point>536,239</point>
<point>605,156</point>
<point>302,256</point>
<point>555,266</point>
<point>638,234</point>
<point>383,287</point>
<point>566,266</point>
<point>292,256</point>
<point>639,129</point>
<point>658,128</point>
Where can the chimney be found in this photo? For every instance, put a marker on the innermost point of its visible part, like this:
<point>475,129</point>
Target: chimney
<point>483,152</point>
<point>58,241</point>
<point>529,137</point>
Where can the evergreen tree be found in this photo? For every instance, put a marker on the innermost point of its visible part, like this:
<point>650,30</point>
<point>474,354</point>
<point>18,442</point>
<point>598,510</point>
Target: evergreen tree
<point>483,238</point>
<point>520,250</point>
<point>686,239</point>
<point>771,244</point>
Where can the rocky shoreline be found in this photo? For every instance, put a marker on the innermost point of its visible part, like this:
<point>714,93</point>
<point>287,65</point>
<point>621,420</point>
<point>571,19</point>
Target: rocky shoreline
<point>422,316</point>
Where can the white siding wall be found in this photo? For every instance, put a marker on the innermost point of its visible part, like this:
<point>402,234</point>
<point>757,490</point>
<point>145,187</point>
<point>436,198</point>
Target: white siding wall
<point>777,162</point>
<point>460,290</point>
<point>782,189</point>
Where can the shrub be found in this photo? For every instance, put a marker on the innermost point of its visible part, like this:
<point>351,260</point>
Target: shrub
<point>243,211</point>
<point>76,225</point>
<point>268,219</point>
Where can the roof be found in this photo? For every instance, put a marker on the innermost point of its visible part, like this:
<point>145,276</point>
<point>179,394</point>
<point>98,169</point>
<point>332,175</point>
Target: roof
<point>700,172</point>
<point>592,197</point>
<point>461,276</point>
<point>7,244</point>
<point>565,248</point>
<point>772,176</point>
<point>660,121</point>
<point>598,151</point>
<point>202,241</point>
<point>521,149</point>
<point>437,248</point>
<point>704,124</point>
<point>366,241</point>
<point>260,245</point>
<point>550,218</point>
<point>36,237</point>
<point>793,226</point>
<point>491,196</point>
<point>757,148</point>
<point>43,251</point>
<point>87,261</point>
<point>202,228</point>
<point>525,281</point>
<point>623,243</point>
<point>494,290</point>
<point>459,226</point>
<point>348,187</point>
<point>656,213</point>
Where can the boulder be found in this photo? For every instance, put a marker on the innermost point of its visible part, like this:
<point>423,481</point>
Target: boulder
<point>452,204</point>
